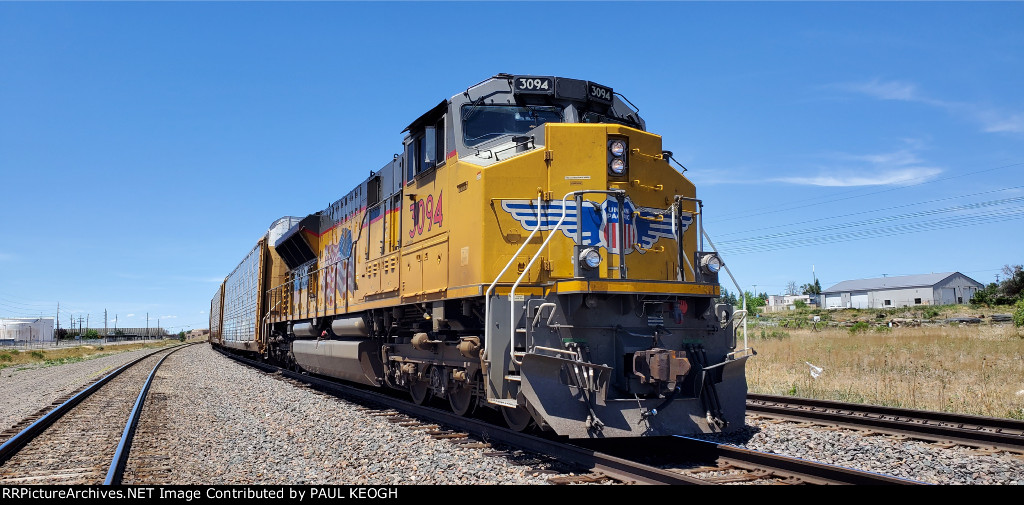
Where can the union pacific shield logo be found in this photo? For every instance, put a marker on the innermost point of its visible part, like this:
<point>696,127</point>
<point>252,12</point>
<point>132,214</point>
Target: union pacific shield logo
<point>599,223</point>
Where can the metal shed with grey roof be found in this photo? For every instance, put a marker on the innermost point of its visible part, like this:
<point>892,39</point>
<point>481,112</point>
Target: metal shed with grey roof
<point>907,290</point>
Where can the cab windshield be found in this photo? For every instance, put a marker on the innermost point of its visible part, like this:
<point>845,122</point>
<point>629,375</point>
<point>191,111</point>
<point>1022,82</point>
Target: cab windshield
<point>484,122</point>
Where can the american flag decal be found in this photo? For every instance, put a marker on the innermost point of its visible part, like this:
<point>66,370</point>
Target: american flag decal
<point>599,222</point>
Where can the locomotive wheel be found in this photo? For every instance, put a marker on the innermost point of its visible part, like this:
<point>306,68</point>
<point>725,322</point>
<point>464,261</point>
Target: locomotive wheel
<point>420,392</point>
<point>517,419</point>
<point>462,400</point>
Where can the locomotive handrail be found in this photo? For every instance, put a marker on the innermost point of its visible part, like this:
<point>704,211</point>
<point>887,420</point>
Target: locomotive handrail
<point>704,235</point>
<point>554,231</point>
<point>487,294</point>
<point>735,283</point>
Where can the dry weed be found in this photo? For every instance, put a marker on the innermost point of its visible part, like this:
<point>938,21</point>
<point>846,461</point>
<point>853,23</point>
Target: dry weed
<point>971,370</point>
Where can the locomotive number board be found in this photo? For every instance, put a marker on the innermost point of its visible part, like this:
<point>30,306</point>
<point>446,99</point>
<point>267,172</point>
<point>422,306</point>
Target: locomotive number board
<point>599,93</point>
<point>534,84</point>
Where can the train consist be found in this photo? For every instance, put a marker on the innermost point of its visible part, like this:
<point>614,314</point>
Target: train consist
<point>531,251</point>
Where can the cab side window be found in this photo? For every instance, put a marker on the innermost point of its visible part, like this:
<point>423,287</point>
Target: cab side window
<point>425,149</point>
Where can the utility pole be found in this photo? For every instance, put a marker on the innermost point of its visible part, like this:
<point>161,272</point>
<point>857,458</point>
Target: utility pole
<point>58,321</point>
<point>87,321</point>
<point>105,329</point>
<point>147,324</point>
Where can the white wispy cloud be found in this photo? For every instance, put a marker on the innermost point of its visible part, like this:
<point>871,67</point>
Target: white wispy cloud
<point>903,166</point>
<point>994,123</point>
<point>991,119</point>
<point>885,90</point>
<point>168,317</point>
<point>884,178</point>
<point>130,315</point>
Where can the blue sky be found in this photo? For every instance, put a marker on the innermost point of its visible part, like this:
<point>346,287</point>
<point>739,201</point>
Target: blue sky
<point>144,147</point>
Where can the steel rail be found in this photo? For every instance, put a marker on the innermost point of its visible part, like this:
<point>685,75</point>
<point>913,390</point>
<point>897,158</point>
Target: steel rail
<point>625,464</point>
<point>124,446</point>
<point>975,431</point>
<point>15,443</point>
<point>680,450</point>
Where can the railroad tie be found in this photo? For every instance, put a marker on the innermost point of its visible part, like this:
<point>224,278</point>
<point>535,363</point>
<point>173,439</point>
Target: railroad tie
<point>579,479</point>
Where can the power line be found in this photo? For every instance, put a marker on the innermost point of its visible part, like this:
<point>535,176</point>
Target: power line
<point>878,220</point>
<point>882,232</point>
<point>871,211</point>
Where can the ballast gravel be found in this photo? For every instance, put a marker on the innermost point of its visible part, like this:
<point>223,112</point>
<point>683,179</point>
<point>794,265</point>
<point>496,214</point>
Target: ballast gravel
<point>225,423</point>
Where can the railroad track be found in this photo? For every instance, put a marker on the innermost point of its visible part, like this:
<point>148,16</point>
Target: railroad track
<point>85,439</point>
<point>938,427</point>
<point>635,461</point>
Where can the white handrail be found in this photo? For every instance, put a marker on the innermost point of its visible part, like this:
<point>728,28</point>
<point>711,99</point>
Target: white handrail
<point>487,295</point>
<point>737,284</point>
<point>512,293</point>
<point>554,231</point>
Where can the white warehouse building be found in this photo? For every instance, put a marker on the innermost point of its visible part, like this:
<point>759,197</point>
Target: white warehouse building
<point>908,290</point>
<point>27,329</point>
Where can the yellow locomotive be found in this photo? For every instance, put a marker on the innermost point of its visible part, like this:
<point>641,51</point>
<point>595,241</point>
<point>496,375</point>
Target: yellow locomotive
<point>531,251</point>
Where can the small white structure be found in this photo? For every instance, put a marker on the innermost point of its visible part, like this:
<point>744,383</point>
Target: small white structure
<point>908,290</point>
<point>27,329</point>
<point>778,303</point>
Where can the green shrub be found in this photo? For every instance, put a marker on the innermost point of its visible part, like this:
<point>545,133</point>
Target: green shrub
<point>773,335</point>
<point>1018,315</point>
<point>883,329</point>
<point>37,354</point>
<point>931,313</point>
<point>5,357</point>
<point>859,326</point>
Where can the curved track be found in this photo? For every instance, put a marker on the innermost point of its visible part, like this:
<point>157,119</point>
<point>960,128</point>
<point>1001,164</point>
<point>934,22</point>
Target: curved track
<point>973,431</point>
<point>624,460</point>
<point>81,440</point>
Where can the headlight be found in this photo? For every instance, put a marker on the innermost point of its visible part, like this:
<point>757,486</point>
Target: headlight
<point>618,157</point>
<point>711,263</point>
<point>590,258</point>
<point>618,147</point>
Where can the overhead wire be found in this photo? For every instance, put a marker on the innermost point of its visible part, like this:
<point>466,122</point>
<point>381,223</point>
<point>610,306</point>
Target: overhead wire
<point>889,231</point>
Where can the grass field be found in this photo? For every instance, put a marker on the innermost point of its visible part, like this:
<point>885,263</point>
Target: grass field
<point>53,357</point>
<point>969,369</point>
